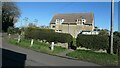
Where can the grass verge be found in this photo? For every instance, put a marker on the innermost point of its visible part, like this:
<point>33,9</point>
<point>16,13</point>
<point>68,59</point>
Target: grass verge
<point>99,58</point>
<point>37,46</point>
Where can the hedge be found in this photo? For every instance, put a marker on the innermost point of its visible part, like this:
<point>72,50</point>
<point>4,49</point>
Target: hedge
<point>94,42</point>
<point>116,42</point>
<point>47,34</point>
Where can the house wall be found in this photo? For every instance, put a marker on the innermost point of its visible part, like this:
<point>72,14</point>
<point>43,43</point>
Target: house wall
<point>88,28</point>
<point>51,26</point>
<point>71,28</point>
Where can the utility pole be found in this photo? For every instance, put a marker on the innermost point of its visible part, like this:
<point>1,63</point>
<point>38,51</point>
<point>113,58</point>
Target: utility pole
<point>112,24</point>
<point>119,31</point>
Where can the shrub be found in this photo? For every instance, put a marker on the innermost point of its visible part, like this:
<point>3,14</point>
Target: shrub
<point>117,34</point>
<point>94,42</point>
<point>59,37</point>
<point>35,32</point>
<point>17,30</point>
<point>103,32</point>
<point>116,42</point>
<point>47,34</point>
<point>12,30</point>
<point>99,42</point>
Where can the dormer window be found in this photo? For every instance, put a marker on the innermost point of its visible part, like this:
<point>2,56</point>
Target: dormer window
<point>79,21</point>
<point>59,20</point>
<point>62,20</point>
<point>83,21</point>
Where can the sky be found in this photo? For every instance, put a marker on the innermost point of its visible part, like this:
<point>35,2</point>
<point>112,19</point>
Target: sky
<point>44,11</point>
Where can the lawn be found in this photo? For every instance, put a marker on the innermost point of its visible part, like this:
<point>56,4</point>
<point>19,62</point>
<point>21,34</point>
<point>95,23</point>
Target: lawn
<point>37,46</point>
<point>99,58</point>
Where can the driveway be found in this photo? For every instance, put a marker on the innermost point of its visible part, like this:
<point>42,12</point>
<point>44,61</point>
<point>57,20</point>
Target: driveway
<point>39,59</point>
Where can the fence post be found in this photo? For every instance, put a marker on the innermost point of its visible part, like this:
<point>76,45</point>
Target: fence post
<point>9,35</point>
<point>19,38</point>
<point>52,46</point>
<point>32,41</point>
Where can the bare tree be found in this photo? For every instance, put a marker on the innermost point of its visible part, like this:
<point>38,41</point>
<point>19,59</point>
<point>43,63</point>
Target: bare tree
<point>26,21</point>
<point>36,22</point>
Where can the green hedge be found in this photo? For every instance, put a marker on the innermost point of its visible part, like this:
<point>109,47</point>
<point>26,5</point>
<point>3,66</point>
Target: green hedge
<point>35,33</point>
<point>47,34</point>
<point>94,42</point>
<point>116,42</point>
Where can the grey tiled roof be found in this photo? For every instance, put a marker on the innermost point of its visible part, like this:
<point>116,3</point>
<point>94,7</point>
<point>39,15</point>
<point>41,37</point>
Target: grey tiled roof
<point>71,18</point>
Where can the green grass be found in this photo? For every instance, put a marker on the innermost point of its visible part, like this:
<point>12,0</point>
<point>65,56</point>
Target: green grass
<point>90,56</point>
<point>99,58</point>
<point>37,46</point>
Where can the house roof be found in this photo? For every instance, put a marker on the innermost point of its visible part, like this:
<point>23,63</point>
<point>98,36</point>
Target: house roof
<point>71,18</point>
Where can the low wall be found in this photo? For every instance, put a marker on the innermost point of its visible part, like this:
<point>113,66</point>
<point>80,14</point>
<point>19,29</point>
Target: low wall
<point>101,50</point>
<point>64,45</point>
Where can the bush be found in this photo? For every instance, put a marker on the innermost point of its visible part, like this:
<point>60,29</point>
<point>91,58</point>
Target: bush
<point>17,30</point>
<point>47,34</point>
<point>99,42</point>
<point>116,42</point>
<point>94,42</point>
<point>12,30</point>
<point>103,32</point>
<point>36,32</point>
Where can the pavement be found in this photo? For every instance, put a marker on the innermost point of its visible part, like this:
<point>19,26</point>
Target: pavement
<point>34,58</point>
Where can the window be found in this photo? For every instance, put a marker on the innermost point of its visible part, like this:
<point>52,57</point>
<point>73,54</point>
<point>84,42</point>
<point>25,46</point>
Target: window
<point>60,20</point>
<point>57,20</point>
<point>53,26</point>
<point>75,20</point>
<point>83,21</point>
<point>58,30</point>
<point>88,24</point>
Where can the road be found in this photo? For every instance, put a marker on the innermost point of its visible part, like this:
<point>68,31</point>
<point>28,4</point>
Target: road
<point>40,59</point>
